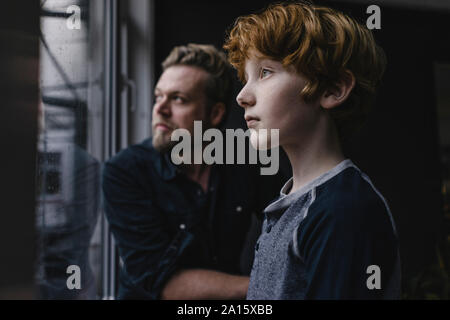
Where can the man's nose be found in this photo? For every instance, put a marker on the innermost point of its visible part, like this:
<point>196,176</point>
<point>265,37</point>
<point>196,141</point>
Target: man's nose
<point>246,98</point>
<point>162,107</point>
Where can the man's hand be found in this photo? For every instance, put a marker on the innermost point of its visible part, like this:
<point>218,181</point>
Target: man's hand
<point>199,284</point>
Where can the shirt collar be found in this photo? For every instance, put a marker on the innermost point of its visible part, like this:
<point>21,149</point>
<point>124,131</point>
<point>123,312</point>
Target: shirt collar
<point>285,199</point>
<point>164,166</point>
<point>167,170</point>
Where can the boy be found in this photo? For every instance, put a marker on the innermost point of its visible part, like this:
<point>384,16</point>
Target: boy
<point>311,72</point>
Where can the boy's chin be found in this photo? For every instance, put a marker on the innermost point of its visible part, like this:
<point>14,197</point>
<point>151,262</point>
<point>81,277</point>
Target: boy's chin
<point>261,140</point>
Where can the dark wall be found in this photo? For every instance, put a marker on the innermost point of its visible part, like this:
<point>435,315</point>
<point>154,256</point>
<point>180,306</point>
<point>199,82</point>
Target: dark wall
<point>19,83</point>
<point>398,148</point>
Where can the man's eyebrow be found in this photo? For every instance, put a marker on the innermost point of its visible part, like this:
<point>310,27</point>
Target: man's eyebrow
<point>170,92</point>
<point>176,92</point>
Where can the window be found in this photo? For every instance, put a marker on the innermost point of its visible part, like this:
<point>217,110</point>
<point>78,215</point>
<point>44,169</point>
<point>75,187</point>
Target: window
<point>95,75</point>
<point>70,150</point>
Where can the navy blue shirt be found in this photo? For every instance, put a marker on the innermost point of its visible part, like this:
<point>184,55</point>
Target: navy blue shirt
<point>162,221</point>
<point>322,241</point>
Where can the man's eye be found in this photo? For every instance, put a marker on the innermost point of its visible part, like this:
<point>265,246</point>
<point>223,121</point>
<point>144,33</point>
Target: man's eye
<point>179,99</point>
<point>265,73</point>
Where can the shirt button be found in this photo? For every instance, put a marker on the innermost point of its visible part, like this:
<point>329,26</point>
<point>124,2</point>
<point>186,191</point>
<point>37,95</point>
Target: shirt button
<point>199,192</point>
<point>182,226</point>
<point>238,209</point>
<point>269,227</point>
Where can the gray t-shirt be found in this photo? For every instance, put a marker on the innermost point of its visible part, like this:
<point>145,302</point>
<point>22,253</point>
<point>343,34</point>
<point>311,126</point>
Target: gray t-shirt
<point>334,238</point>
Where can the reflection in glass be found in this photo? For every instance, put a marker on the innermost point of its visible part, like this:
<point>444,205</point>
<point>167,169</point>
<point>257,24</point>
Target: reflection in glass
<point>68,175</point>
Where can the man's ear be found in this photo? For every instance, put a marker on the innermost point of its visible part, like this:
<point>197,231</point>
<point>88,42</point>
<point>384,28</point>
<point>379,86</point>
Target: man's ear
<point>336,95</point>
<point>217,113</point>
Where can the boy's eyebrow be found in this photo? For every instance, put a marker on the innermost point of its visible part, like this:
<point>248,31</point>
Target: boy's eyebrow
<point>261,59</point>
<point>267,60</point>
<point>258,61</point>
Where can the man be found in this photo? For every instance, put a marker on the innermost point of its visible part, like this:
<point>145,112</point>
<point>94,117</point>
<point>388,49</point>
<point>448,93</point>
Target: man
<point>181,230</point>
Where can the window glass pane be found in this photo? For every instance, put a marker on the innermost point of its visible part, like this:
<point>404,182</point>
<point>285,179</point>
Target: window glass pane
<point>70,150</point>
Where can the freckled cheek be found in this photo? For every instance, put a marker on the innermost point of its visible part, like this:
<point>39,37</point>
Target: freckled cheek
<point>279,108</point>
<point>290,116</point>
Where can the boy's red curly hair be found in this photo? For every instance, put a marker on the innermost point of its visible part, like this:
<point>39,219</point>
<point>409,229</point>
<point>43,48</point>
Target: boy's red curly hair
<point>322,44</point>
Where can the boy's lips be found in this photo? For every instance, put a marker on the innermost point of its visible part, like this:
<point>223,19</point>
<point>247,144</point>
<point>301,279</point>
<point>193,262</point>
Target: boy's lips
<point>251,123</point>
<point>251,120</point>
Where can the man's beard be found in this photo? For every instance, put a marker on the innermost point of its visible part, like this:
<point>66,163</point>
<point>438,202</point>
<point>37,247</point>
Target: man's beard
<point>161,141</point>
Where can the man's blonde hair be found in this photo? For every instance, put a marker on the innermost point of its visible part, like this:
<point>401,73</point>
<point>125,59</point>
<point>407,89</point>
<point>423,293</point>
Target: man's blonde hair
<point>208,58</point>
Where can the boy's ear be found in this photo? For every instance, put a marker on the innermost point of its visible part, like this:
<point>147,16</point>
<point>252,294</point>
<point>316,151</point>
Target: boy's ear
<point>336,95</point>
<point>217,114</point>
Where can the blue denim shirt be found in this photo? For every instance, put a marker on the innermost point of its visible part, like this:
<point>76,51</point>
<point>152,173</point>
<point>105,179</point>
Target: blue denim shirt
<point>162,221</point>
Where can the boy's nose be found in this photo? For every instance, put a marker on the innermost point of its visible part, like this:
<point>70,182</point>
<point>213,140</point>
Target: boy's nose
<point>245,98</point>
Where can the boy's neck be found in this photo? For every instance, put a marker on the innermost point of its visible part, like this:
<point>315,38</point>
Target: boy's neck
<point>314,155</point>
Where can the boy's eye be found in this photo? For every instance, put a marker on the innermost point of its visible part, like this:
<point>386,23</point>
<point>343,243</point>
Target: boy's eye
<point>265,73</point>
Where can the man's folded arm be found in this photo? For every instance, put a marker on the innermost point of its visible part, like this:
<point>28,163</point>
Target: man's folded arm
<point>200,284</point>
<point>149,255</point>
<point>147,252</point>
